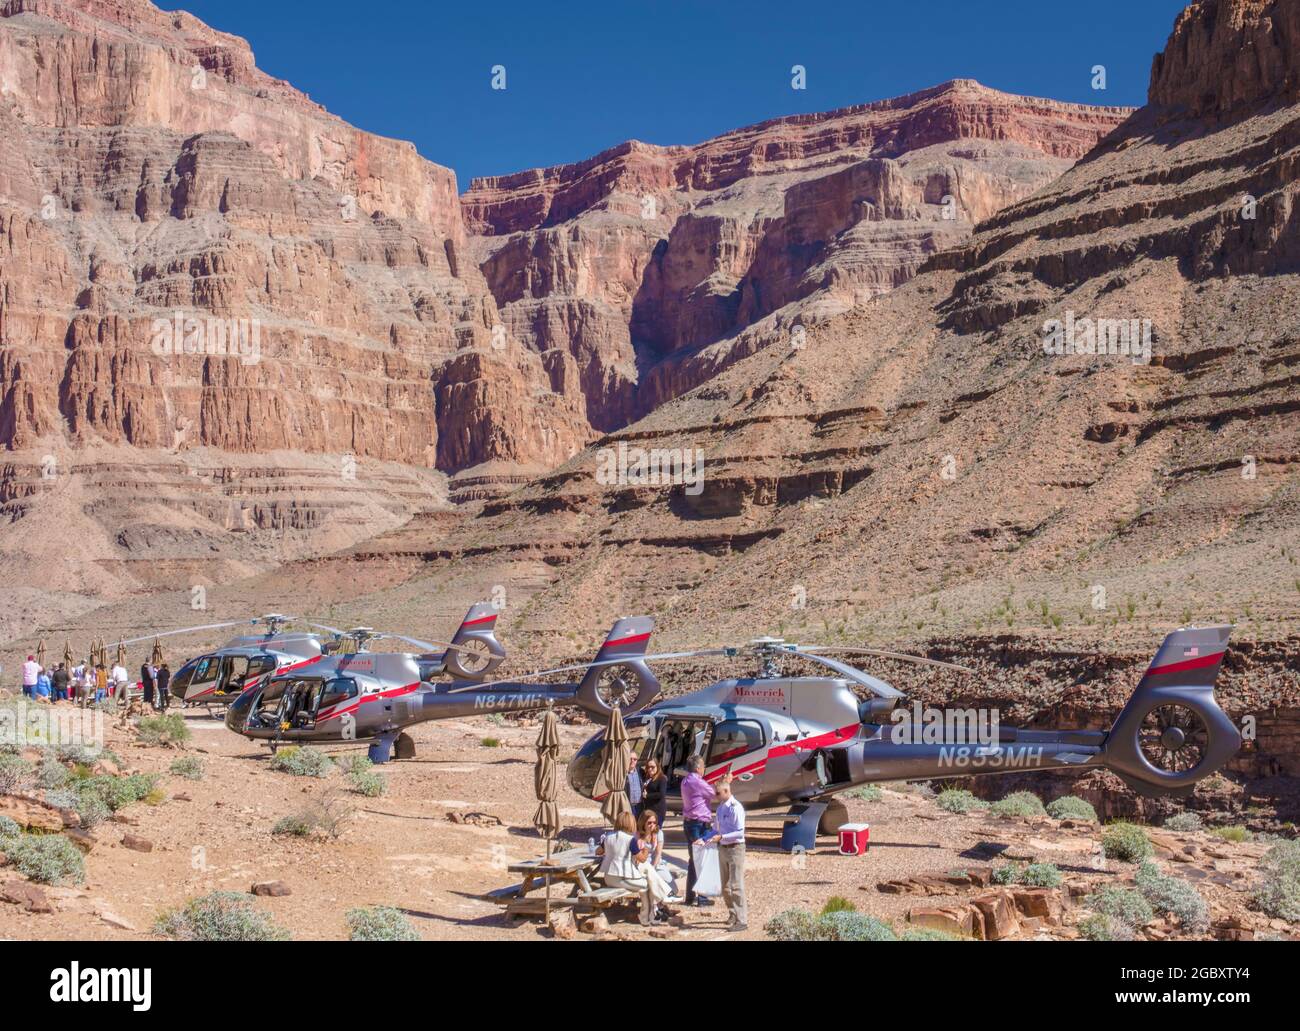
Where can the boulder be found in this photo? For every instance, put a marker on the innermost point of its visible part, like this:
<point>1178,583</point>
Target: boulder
<point>271,889</point>
<point>950,919</point>
<point>998,912</point>
<point>562,925</point>
<point>136,843</point>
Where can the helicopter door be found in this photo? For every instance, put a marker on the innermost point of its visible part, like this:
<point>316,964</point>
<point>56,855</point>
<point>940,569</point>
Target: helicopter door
<point>732,741</point>
<point>203,681</point>
<point>678,740</point>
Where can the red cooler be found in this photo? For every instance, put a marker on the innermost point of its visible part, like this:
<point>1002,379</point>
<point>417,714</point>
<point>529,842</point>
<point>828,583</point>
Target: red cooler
<point>855,839</point>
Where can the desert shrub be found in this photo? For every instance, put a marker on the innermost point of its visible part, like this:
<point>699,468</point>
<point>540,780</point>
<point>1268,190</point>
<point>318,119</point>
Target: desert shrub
<point>9,828</point>
<point>838,904</point>
<point>1040,875</point>
<point>491,742</point>
<point>189,767</point>
<point>1071,807</point>
<point>1126,842</point>
<point>47,858</point>
<point>85,755</point>
<point>380,924</point>
<point>118,792</point>
<point>846,926</point>
<point>1236,834</point>
<point>953,800</point>
<point>92,810</point>
<point>166,730</point>
<point>51,775</point>
<point>222,916</point>
<point>1101,927</point>
<point>866,793</point>
<point>1019,803</point>
<point>1184,821</point>
<point>368,783</point>
<point>15,771</point>
<point>355,763</point>
<point>928,934</point>
<point>792,925</point>
<point>1174,896</point>
<point>1278,892</point>
<point>1123,904</point>
<point>302,762</point>
<point>320,817</point>
<point>1007,873</point>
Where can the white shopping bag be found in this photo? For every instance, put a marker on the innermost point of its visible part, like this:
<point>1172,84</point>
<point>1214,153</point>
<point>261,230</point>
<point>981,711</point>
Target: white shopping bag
<point>708,878</point>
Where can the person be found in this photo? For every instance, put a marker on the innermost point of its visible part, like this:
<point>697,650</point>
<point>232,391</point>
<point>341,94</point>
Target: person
<point>118,677</point>
<point>101,683</point>
<point>147,681</point>
<point>651,834</point>
<point>728,834</point>
<point>162,692</point>
<point>654,792</point>
<point>624,866</point>
<point>31,671</point>
<point>697,819</point>
<point>44,686</point>
<point>634,786</point>
<point>61,682</point>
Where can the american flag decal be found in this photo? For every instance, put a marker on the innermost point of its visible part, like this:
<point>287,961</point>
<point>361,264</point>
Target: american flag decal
<point>1191,652</point>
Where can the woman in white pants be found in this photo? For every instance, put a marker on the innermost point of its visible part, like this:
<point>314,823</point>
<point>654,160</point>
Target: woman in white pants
<point>651,835</point>
<point>624,867</point>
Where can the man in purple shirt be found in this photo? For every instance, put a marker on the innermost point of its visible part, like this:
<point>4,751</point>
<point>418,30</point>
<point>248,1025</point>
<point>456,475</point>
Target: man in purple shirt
<point>697,821</point>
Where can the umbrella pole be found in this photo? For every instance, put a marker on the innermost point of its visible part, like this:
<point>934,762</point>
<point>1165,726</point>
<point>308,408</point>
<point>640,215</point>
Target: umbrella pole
<point>548,882</point>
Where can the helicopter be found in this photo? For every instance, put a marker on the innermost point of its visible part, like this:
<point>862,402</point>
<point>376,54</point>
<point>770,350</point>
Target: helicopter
<point>223,674</point>
<point>375,696</point>
<point>795,742</point>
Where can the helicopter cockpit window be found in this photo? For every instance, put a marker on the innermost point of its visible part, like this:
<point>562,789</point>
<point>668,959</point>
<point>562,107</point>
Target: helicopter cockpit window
<point>678,741</point>
<point>238,670</point>
<point>734,737</point>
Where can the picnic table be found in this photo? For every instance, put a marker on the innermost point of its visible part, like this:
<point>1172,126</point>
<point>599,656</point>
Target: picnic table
<point>573,867</point>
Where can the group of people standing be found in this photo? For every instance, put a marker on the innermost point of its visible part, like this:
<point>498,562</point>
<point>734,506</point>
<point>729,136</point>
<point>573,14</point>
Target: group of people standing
<point>633,852</point>
<point>88,683</point>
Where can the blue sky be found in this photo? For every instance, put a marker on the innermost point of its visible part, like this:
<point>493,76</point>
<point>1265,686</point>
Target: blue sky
<point>583,76</point>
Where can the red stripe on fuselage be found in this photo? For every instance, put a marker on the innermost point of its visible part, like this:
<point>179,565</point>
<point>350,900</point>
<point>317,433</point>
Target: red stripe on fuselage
<point>481,619</point>
<point>634,639</point>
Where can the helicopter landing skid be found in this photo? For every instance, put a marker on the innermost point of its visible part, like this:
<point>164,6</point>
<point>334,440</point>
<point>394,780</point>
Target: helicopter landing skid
<point>800,831</point>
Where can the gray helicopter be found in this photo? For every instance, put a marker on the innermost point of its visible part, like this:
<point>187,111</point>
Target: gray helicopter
<point>375,696</point>
<point>795,742</point>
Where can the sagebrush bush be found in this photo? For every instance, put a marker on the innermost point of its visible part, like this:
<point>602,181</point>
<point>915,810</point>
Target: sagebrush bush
<point>792,925</point>
<point>1071,807</point>
<point>15,772</point>
<point>380,924</point>
<point>84,755</point>
<point>929,934</point>
<point>1006,873</point>
<point>1185,821</point>
<point>866,793</point>
<point>190,767</point>
<point>1124,904</point>
<point>319,817</point>
<point>52,774</point>
<point>846,926</point>
<point>9,828</point>
<point>47,858</point>
<point>1126,842</point>
<point>1278,891</point>
<point>302,762</point>
<point>1040,875</point>
<point>1174,896</point>
<point>1235,834</point>
<point>954,800</point>
<point>355,763</point>
<point>1019,803</point>
<point>165,730</point>
<point>118,792</point>
<point>222,916</point>
<point>368,783</point>
<point>1101,927</point>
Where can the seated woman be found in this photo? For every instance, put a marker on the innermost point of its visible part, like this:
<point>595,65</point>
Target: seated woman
<point>625,865</point>
<point>651,835</point>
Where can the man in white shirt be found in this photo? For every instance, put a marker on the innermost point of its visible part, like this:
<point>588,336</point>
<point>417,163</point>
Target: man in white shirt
<point>31,673</point>
<point>118,676</point>
<point>729,835</point>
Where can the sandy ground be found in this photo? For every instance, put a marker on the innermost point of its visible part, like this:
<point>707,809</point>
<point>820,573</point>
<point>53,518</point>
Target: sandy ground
<point>402,850</point>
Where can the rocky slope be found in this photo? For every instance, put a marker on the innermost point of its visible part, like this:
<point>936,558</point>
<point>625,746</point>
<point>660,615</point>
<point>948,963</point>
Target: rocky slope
<point>921,467</point>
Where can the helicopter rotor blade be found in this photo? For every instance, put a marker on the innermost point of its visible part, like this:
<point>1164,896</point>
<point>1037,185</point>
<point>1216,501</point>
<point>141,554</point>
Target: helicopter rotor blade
<point>900,656</point>
<point>877,687</point>
<point>661,657</point>
<point>332,629</point>
<point>429,646</point>
<point>183,630</point>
